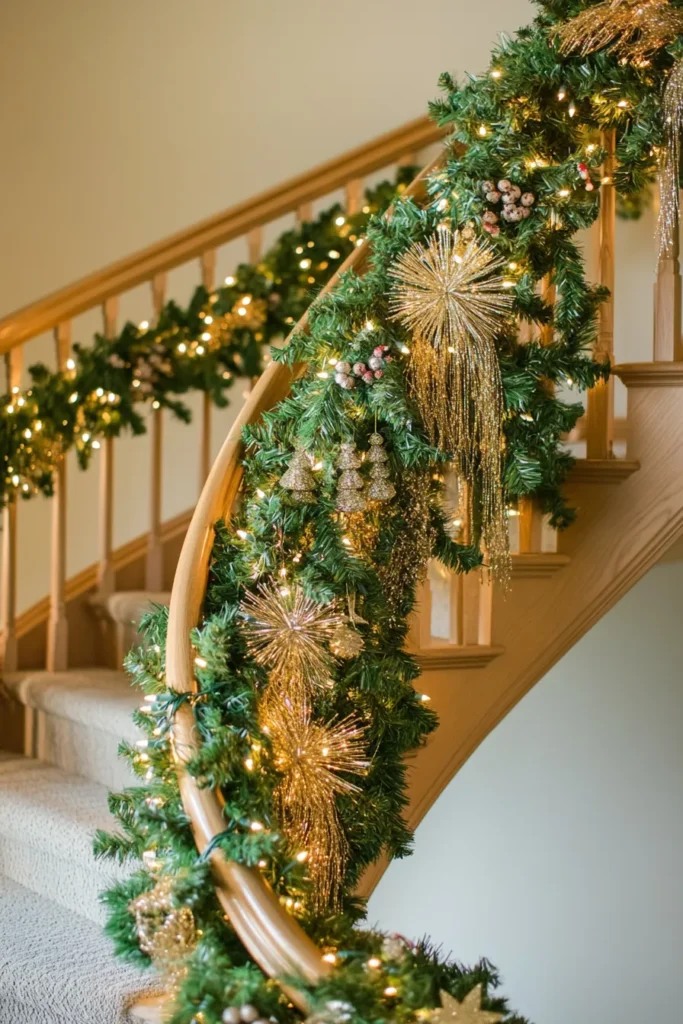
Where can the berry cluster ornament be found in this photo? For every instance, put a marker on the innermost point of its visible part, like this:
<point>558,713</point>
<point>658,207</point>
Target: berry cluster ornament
<point>346,374</point>
<point>585,176</point>
<point>298,479</point>
<point>350,497</point>
<point>381,487</point>
<point>516,205</point>
<point>246,1014</point>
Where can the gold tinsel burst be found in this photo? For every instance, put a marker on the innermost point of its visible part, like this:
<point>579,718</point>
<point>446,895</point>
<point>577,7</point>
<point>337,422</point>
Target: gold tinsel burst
<point>314,758</point>
<point>289,634</point>
<point>670,161</point>
<point>165,932</point>
<point>450,295</point>
<point>469,1011</point>
<point>631,29</point>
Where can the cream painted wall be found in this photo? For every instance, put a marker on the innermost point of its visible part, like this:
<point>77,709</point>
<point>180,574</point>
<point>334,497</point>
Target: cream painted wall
<point>122,122</point>
<point>555,851</point>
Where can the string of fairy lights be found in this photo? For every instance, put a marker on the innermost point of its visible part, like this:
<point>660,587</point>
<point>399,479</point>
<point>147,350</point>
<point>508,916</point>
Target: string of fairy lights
<point>217,339</point>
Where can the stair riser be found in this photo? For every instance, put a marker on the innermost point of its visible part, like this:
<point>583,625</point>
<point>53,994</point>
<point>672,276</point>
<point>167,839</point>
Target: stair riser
<point>64,882</point>
<point>79,750</point>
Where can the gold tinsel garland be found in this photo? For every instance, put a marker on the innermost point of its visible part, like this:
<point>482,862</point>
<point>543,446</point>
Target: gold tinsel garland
<point>450,295</point>
<point>631,29</point>
<point>407,564</point>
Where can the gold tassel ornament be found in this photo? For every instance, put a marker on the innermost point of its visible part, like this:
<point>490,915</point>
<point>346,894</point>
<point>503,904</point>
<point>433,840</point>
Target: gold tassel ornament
<point>631,29</point>
<point>313,758</point>
<point>450,294</point>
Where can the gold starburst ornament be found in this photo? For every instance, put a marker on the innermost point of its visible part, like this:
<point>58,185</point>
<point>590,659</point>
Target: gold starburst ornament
<point>289,634</point>
<point>631,29</point>
<point>468,1011</point>
<point>450,294</point>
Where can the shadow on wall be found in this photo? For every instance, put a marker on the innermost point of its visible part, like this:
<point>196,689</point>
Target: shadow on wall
<point>556,850</point>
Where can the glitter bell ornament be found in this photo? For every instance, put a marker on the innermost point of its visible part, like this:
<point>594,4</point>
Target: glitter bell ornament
<point>299,479</point>
<point>346,642</point>
<point>381,487</point>
<point>165,931</point>
<point>350,497</point>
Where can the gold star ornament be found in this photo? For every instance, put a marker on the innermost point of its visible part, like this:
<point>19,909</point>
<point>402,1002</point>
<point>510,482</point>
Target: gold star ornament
<point>469,1011</point>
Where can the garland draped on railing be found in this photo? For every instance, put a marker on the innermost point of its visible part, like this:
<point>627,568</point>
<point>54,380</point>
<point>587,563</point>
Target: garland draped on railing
<point>305,704</point>
<point>217,338</point>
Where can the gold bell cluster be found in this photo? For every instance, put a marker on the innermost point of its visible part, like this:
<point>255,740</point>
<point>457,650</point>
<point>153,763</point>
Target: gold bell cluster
<point>352,493</point>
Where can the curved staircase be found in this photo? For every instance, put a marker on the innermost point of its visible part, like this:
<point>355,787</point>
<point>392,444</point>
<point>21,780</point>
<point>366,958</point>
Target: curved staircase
<point>69,704</point>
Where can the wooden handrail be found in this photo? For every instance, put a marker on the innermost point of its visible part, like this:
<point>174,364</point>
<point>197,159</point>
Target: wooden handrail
<point>234,222</point>
<point>274,939</point>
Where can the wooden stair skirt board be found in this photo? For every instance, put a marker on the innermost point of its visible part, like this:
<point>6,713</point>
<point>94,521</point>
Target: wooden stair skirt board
<point>620,532</point>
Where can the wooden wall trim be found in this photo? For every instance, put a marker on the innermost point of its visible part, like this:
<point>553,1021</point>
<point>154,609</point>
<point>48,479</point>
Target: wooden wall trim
<point>234,222</point>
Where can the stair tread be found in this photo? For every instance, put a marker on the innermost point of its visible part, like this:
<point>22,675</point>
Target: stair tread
<point>100,698</point>
<point>57,967</point>
<point>128,606</point>
<point>43,807</point>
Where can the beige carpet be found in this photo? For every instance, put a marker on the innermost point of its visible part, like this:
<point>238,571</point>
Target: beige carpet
<point>58,968</point>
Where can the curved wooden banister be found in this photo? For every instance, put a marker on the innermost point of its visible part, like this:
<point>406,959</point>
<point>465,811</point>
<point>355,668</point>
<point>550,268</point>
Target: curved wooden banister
<point>234,222</point>
<point>275,940</point>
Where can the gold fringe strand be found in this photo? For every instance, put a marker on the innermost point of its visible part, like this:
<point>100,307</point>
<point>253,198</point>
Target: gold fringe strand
<point>669,202</point>
<point>449,294</point>
<point>312,757</point>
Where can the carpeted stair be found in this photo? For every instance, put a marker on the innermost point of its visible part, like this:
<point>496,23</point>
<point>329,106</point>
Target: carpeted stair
<point>56,966</point>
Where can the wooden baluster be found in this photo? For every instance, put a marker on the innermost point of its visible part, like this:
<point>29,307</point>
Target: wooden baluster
<point>13,362</point>
<point>354,196</point>
<point>420,629</point>
<point>255,245</point>
<point>600,407</point>
<point>471,607</point>
<point>58,626</point>
<point>471,593</point>
<point>668,345</point>
<point>154,562</point>
<point>105,569</point>
<point>530,522</point>
<point>411,159</point>
<point>208,267</point>
<point>304,214</point>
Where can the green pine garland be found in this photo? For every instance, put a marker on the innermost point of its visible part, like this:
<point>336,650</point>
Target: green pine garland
<point>512,125</point>
<point>203,347</point>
